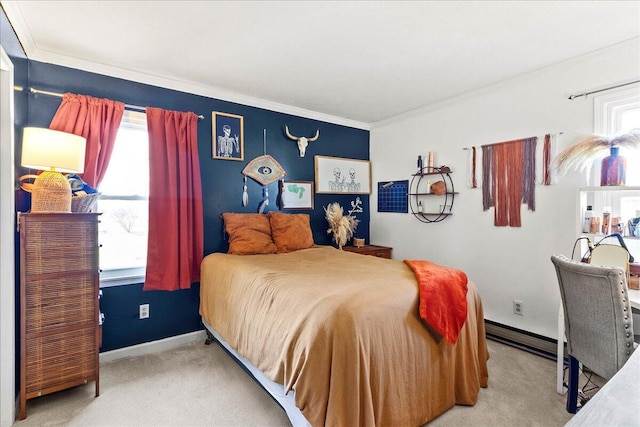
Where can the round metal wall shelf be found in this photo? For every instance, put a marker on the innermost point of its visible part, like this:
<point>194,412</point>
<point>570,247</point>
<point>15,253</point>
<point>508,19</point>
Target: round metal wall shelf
<point>420,194</point>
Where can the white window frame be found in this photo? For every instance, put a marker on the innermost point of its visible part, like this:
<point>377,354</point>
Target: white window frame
<point>609,107</point>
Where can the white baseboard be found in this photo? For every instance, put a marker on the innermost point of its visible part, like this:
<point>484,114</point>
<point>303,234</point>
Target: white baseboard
<point>153,346</point>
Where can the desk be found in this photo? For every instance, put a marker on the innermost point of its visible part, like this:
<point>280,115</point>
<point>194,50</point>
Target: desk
<point>634,300</point>
<point>617,402</point>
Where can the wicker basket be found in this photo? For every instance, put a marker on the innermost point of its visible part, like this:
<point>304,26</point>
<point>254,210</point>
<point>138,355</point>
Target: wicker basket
<point>84,202</point>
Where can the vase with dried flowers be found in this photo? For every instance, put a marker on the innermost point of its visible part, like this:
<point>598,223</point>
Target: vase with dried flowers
<point>342,226</point>
<point>585,150</point>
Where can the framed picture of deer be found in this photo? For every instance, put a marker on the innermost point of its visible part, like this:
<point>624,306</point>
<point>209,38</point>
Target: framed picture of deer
<point>228,136</point>
<point>340,175</point>
<point>296,194</point>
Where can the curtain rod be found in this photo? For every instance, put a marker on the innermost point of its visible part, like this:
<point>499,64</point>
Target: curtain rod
<point>549,133</point>
<point>572,97</point>
<point>60,95</point>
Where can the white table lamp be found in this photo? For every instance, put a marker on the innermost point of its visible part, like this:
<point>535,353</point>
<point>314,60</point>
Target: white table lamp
<point>52,152</point>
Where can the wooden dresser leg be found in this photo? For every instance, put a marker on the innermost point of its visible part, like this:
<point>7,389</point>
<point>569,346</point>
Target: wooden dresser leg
<point>23,407</point>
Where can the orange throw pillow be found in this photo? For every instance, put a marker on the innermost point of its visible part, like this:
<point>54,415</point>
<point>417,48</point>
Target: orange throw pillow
<point>290,232</point>
<point>249,234</point>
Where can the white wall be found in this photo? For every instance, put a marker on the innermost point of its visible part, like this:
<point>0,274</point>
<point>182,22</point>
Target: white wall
<point>506,263</point>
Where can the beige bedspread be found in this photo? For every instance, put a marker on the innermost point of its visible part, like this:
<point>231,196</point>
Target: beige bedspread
<point>343,331</point>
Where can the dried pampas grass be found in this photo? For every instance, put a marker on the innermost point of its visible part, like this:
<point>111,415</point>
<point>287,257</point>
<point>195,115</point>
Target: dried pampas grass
<point>342,226</point>
<point>586,149</point>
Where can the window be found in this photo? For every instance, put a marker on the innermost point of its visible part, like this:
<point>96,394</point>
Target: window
<point>627,120</point>
<point>124,205</point>
<point>619,111</point>
<point>615,112</point>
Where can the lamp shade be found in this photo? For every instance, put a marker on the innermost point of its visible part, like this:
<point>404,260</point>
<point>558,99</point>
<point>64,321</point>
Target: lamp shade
<point>47,149</point>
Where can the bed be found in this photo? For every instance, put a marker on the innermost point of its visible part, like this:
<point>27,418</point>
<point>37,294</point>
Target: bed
<point>341,334</point>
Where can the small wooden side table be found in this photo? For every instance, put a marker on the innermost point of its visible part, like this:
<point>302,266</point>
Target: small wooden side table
<point>373,250</point>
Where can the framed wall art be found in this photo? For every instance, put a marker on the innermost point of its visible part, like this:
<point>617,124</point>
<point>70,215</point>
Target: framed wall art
<point>296,194</point>
<point>228,136</point>
<point>339,175</point>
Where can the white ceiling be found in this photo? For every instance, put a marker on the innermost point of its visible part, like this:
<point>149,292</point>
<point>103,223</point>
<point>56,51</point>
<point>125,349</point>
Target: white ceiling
<point>363,61</point>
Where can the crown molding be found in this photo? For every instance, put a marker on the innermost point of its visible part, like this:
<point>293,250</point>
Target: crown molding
<point>189,87</point>
<point>630,46</point>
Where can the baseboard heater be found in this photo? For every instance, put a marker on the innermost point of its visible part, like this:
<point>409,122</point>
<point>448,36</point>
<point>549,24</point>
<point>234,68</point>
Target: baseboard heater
<point>528,341</point>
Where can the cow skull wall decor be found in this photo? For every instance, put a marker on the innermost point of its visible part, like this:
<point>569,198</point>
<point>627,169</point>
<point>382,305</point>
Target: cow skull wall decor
<point>302,140</point>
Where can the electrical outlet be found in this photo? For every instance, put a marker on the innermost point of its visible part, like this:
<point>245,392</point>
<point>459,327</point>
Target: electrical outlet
<point>517,307</point>
<point>144,311</point>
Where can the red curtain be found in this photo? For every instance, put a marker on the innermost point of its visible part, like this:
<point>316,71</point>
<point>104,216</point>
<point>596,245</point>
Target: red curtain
<point>175,243</point>
<point>97,120</point>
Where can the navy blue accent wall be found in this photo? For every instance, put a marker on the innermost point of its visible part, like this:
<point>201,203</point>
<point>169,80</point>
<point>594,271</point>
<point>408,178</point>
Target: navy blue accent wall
<point>175,313</point>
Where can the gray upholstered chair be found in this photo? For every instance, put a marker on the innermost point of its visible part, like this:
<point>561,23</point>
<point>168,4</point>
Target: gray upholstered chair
<point>598,320</point>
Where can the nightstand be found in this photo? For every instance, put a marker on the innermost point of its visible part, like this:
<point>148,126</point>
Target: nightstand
<point>379,251</point>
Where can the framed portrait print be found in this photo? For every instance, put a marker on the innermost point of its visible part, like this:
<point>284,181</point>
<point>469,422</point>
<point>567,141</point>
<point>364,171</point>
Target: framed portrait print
<point>296,194</point>
<point>339,175</point>
<point>228,136</point>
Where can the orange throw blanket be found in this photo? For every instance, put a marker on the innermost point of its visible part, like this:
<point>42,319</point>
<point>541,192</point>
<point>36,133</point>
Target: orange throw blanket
<point>443,297</point>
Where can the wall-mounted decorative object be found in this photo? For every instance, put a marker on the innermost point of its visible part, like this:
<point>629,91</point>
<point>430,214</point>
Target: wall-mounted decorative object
<point>356,207</point>
<point>508,179</point>
<point>264,170</point>
<point>585,150</point>
<point>228,136</point>
<point>471,177</point>
<point>392,196</point>
<point>296,194</point>
<point>429,202</point>
<point>339,175</point>
<point>303,141</point>
<point>545,174</point>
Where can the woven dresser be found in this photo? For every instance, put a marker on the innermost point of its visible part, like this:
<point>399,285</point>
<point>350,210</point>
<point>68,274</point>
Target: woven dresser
<point>59,307</point>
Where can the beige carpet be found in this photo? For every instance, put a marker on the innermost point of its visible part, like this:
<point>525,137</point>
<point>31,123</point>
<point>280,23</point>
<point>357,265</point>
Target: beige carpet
<point>201,385</point>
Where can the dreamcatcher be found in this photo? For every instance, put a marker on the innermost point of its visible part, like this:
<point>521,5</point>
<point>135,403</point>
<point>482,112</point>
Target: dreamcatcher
<point>264,170</point>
